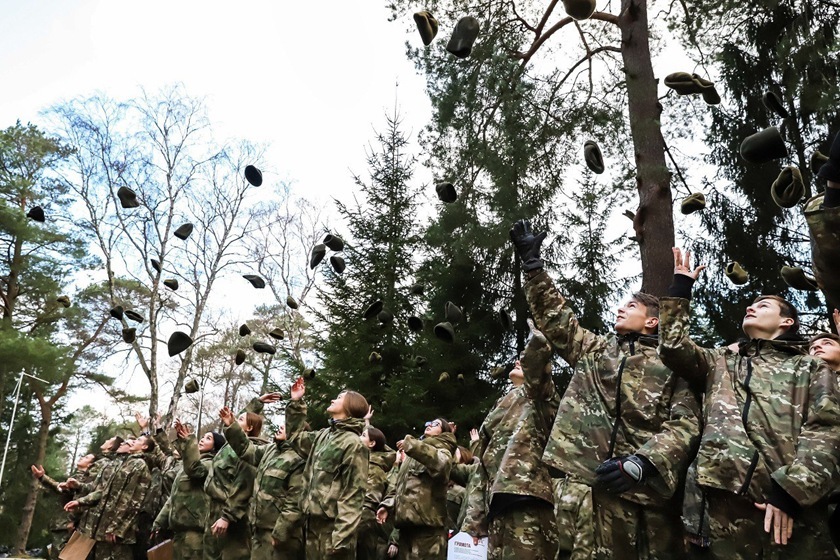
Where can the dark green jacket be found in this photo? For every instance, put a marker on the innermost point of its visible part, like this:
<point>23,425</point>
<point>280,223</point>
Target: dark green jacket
<point>186,507</point>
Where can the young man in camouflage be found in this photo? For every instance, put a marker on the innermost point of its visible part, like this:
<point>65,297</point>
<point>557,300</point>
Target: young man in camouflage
<point>274,515</point>
<point>185,510</point>
<point>627,426</point>
<point>335,475</point>
<point>826,346</point>
<point>770,448</point>
<point>122,500</point>
<point>512,502</point>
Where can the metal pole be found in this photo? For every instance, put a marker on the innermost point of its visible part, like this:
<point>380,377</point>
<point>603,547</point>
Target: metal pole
<point>12,422</point>
<point>200,409</point>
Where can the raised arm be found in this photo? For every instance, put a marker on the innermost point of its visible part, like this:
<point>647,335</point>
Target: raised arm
<point>475,521</point>
<point>438,462</point>
<point>193,467</point>
<point>536,366</point>
<point>239,442</point>
<point>297,435</point>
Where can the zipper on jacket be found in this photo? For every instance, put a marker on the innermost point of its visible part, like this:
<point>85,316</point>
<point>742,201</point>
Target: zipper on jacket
<point>618,401</point>
<point>754,462</point>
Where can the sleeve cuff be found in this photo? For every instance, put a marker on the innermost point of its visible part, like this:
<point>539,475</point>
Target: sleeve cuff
<point>784,501</point>
<point>681,287</point>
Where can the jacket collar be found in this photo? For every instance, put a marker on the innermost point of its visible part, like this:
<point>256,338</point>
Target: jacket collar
<point>354,425</point>
<point>788,343</point>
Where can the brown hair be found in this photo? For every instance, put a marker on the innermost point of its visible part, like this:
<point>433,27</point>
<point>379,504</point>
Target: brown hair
<point>150,443</point>
<point>786,311</point>
<point>832,336</point>
<point>466,455</point>
<point>445,426</point>
<point>377,437</point>
<point>650,302</point>
<point>355,405</point>
<point>256,422</point>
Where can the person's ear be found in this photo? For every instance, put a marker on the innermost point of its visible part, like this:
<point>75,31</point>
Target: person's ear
<point>786,322</point>
<point>651,322</point>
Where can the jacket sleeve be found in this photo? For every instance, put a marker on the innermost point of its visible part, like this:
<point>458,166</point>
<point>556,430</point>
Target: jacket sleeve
<point>460,474</point>
<point>255,405</point>
<point>290,519</point>
<point>557,321</point>
<point>193,467</point>
<point>162,520</point>
<point>91,498</point>
<point>300,439</point>
<point>676,349</point>
<point>672,449</point>
<point>438,462</point>
<point>47,482</point>
<point>389,499</point>
<point>242,446</point>
<point>351,497</point>
<point>163,443</point>
<point>239,493</point>
<point>475,520</point>
<point>539,384</point>
<point>811,475</point>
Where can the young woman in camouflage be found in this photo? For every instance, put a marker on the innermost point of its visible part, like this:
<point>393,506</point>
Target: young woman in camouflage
<point>373,538</point>
<point>335,475</point>
<point>185,510</point>
<point>417,502</point>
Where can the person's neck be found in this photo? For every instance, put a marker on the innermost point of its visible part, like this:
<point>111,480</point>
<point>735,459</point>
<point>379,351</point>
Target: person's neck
<point>755,334</point>
<point>339,416</point>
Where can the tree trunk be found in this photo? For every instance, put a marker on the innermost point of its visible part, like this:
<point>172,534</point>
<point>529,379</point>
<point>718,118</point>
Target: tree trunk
<point>32,495</point>
<point>654,221</point>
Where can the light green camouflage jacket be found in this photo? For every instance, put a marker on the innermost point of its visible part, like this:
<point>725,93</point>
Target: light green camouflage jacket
<point>275,504</point>
<point>335,475</point>
<point>89,521</point>
<point>620,401</point>
<point>512,440</point>
<point>418,499</point>
<point>381,463</point>
<point>186,507</point>
<point>771,412</point>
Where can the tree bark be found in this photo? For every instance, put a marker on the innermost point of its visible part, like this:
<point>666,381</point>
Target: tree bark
<point>654,221</point>
<point>32,495</point>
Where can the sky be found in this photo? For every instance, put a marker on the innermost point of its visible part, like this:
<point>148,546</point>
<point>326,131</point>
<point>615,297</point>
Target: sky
<point>310,79</point>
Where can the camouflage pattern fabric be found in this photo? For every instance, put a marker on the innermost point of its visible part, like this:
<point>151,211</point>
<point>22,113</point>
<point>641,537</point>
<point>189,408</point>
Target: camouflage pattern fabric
<point>188,545</point>
<point>824,226</point>
<point>626,530</point>
<point>467,476</point>
<point>422,543</point>
<point>512,440</point>
<point>90,518</point>
<point>121,500</point>
<point>235,544</point>
<point>334,480</point>
<point>454,504</point>
<point>62,526</point>
<point>771,412</point>
<point>186,508</point>
<point>695,511</point>
<point>737,529</point>
<point>418,499</point>
<point>109,551</point>
<point>526,532</point>
<point>373,537</point>
<point>659,413</point>
<point>575,525</point>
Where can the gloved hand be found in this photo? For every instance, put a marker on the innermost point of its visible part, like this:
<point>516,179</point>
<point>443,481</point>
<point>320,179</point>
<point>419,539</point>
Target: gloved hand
<point>620,474</point>
<point>527,244</point>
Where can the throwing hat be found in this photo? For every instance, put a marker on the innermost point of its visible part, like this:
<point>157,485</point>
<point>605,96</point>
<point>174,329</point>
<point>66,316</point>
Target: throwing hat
<point>183,231</point>
<point>788,188</point>
<point>128,198</point>
<point>764,146</point>
<point>36,213</point>
<point>463,37</point>
<point>592,156</point>
<point>427,25</point>
<point>253,175</point>
<point>255,280</point>
<point>736,273</point>
<point>693,203</point>
<point>178,342</point>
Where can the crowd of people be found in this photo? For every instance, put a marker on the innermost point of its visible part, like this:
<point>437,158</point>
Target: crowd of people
<point>659,448</point>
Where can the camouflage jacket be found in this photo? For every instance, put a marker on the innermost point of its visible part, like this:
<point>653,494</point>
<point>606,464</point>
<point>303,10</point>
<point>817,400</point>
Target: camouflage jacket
<point>122,500</point>
<point>66,520</point>
<point>771,412</point>
<point>620,401</point>
<point>231,482</point>
<point>89,521</point>
<point>381,463</point>
<point>418,499</point>
<point>467,477</point>
<point>186,507</point>
<point>513,437</point>
<point>824,228</point>
<point>335,475</point>
<point>164,467</point>
<point>278,483</point>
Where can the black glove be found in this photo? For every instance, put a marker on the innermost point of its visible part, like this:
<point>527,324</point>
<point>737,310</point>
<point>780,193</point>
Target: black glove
<point>527,245</point>
<point>620,474</point>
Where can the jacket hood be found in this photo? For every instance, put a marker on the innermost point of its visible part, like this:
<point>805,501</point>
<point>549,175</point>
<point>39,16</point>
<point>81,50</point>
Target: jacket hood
<point>633,337</point>
<point>384,459</point>
<point>790,343</point>
<point>259,440</point>
<point>446,440</point>
<point>355,425</point>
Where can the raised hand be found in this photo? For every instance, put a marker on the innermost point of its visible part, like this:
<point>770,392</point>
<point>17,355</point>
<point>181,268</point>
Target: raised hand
<point>142,421</point>
<point>37,471</point>
<point>71,505</point>
<point>298,389</point>
<point>182,431</point>
<point>836,317</point>
<point>271,397</point>
<point>682,264</point>
<point>474,435</point>
<point>527,244</point>
<point>226,414</point>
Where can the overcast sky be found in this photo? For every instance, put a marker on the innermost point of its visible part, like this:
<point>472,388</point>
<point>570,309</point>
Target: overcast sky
<point>311,79</point>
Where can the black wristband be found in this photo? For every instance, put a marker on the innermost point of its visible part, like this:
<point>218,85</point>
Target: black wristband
<point>831,198</point>
<point>784,501</point>
<point>681,287</point>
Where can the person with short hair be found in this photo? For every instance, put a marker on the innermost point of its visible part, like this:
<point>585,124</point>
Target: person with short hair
<point>335,475</point>
<point>417,501</point>
<point>826,346</point>
<point>627,425</point>
<point>771,440</point>
<point>372,543</point>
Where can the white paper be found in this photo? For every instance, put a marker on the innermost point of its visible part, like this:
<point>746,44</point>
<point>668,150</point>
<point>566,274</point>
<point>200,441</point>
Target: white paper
<point>461,547</point>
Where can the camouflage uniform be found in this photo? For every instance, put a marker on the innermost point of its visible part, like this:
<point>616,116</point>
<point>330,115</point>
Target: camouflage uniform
<point>121,500</point>
<point>185,511</point>
<point>275,505</point>
<point>513,500</point>
<point>575,525</point>
<point>373,537</point>
<point>824,225</point>
<point>89,520</point>
<point>417,501</point>
<point>620,401</point>
<point>62,526</point>
<point>772,424</point>
<point>334,482</point>
<point>164,467</point>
